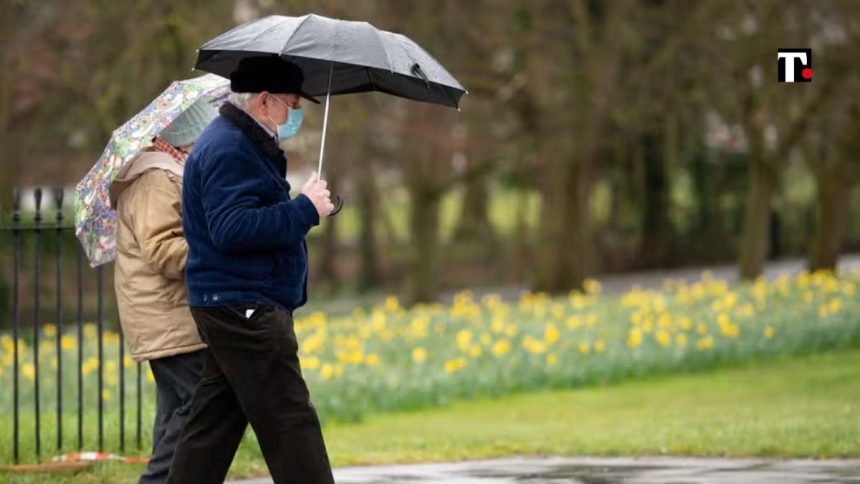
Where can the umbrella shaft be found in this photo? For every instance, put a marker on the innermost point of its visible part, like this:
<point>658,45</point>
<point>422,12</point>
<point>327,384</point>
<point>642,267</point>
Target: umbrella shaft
<point>325,123</point>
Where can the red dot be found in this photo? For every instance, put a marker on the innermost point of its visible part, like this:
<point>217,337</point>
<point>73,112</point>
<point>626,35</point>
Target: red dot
<point>807,73</point>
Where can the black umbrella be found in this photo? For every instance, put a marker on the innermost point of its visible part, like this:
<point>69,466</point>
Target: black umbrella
<point>336,57</point>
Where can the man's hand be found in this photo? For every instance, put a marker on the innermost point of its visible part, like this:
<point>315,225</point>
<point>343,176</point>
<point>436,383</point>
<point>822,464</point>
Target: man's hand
<point>319,195</point>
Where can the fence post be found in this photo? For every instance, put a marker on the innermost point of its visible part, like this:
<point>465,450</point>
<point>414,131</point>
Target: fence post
<point>100,328</point>
<point>80,348</point>
<point>139,409</point>
<point>121,366</point>
<point>16,317</point>
<point>58,203</point>
<point>37,231</point>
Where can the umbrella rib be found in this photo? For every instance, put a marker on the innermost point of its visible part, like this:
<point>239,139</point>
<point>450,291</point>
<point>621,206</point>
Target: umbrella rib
<point>384,49</point>
<point>265,31</point>
<point>293,34</point>
<point>370,79</point>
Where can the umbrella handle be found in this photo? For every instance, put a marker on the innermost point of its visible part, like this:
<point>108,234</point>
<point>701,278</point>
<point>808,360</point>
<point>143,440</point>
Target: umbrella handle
<point>338,205</point>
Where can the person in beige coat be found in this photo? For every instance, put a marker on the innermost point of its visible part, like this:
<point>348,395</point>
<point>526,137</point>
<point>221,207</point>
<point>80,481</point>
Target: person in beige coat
<point>149,278</point>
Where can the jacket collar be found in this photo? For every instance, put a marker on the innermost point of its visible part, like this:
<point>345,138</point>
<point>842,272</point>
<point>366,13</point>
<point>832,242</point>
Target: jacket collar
<point>145,161</point>
<point>252,129</point>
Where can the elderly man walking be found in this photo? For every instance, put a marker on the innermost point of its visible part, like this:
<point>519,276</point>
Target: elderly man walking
<point>246,273</point>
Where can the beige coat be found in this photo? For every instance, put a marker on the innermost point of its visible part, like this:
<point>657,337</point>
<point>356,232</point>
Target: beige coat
<point>151,254</point>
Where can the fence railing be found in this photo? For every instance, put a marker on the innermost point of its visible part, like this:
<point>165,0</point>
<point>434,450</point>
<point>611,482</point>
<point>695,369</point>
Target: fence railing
<point>68,329</point>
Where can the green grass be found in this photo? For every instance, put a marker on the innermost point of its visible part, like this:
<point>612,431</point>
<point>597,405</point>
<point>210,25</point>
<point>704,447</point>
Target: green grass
<point>790,407</point>
<point>803,407</point>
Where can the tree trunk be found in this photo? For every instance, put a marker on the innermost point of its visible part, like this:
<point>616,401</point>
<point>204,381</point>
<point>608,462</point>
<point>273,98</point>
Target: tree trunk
<point>755,232</point>
<point>428,177</point>
<point>424,225</point>
<point>368,205</point>
<point>565,254</point>
<point>655,209</point>
<point>831,217</point>
<point>327,271</point>
<point>709,219</point>
<point>565,239</point>
<point>474,224</point>
<point>580,226</point>
<point>7,182</point>
<point>328,260</point>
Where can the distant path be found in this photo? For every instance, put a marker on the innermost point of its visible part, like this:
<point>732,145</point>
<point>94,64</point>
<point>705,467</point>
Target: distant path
<point>617,283</point>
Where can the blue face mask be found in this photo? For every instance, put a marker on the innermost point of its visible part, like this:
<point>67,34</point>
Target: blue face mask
<point>292,124</point>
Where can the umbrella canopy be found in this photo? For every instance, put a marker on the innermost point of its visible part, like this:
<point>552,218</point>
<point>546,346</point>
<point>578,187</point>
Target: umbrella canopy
<point>95,220</point>
<point>336,57</point>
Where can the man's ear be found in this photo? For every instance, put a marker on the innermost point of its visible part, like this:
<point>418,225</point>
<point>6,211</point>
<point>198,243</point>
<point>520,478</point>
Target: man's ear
<point>262,97</point>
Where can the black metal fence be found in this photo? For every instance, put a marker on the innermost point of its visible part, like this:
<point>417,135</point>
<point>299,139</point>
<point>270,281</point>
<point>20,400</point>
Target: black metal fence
<point>74,295</point>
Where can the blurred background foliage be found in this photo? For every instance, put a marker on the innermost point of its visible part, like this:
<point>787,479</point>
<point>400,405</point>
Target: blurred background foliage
<point>598,136</point>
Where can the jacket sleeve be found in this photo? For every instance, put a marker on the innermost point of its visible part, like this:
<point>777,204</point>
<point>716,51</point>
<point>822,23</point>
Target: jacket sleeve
<point>238,217</point>
<point>157,221</point>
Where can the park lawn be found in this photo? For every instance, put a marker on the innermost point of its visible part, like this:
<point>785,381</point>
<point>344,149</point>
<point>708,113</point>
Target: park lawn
<point>804,406</point>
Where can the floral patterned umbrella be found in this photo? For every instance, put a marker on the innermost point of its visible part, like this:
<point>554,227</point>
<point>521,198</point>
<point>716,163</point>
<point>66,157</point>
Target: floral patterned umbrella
<point>95,220</point>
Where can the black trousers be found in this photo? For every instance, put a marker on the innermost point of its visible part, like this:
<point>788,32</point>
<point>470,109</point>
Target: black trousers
<point>252,374</point>
<point>176,378</point>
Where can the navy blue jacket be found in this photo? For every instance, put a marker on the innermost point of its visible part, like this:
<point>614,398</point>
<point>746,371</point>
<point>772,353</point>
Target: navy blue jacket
<point>246,237</point>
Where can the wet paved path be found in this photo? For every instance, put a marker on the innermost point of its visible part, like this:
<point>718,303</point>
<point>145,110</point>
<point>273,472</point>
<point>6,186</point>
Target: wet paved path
<point>598,470</point>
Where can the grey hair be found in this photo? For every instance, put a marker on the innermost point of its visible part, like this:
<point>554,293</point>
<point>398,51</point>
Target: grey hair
<point>241,99</point>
